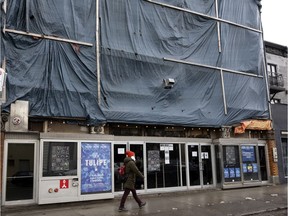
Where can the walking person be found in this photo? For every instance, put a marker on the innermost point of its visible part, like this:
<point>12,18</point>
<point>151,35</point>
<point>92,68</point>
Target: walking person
<point>132,171</point>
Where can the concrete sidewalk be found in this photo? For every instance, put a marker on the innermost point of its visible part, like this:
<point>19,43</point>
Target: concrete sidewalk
<point>245,201</point>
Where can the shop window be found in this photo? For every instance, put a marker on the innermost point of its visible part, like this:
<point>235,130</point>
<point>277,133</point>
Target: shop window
<point>232,170</point>
<point>20,172</point>
<point>249,163</point>
<point>59,159</point>
<point>163,165</point>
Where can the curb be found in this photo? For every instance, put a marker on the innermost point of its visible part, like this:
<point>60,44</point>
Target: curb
<point>265,211</point>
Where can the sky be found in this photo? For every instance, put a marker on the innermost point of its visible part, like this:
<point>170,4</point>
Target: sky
<point>275,21</point>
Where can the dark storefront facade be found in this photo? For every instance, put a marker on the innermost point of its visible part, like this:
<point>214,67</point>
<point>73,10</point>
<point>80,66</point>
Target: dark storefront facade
<point>279,113</point>
<point>66,167</point>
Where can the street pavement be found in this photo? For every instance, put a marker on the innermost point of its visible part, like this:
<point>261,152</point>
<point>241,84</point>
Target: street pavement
<point>265,201</point>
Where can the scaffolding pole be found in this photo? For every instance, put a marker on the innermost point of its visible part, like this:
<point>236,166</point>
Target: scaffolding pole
<point>40,36</point>
<point>218,27</point>
<point>98,53</point>
<point>204,15</point>
<point>212,67</point>
<point>223,92</point>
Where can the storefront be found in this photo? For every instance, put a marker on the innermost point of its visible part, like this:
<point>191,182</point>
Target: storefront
<point>68,168</point>
<point>241,163</point>
<point>57,169</point>
<point>168,165</point>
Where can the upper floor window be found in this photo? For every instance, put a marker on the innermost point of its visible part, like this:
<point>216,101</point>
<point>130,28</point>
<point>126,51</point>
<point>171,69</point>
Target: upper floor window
<point>275,101</point>
<point>272,70</point>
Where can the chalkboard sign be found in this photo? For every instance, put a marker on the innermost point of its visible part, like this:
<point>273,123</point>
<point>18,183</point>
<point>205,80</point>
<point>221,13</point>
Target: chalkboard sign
<point>60,158</point>
<point>153,160</point>
<point>230,155</point>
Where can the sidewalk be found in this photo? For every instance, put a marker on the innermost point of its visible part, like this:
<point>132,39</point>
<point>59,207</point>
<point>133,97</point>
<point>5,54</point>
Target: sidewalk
<point>241,202</point>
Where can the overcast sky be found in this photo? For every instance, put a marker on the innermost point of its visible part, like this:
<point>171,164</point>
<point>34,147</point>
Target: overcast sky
<point>275,21</point>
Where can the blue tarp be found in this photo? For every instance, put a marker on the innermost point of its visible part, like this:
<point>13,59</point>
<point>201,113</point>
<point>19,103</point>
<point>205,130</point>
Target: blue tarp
<point>136,38</point>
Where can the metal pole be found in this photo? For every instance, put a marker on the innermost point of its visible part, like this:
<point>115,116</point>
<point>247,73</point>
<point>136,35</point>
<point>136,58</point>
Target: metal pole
<point>223,92</point>
<point>98,52</point>
<point>212,67</point>
<point>266,79</point>
<point>218,27</point>
<point>27,15</point>
<point>203,15</point>
<point>46,37</point>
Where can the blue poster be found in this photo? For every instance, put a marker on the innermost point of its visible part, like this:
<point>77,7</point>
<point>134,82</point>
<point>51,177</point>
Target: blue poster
<point>244,168</point>
<point>232,172</point>
<point>238,173</point>
<point>248,154</point>
<point>249,168</point>
<point>96,167</point>
<point>226,173</point>
<point>255,167</point>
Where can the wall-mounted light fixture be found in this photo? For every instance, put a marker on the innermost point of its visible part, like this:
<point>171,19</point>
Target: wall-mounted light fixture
<point>168,83</point>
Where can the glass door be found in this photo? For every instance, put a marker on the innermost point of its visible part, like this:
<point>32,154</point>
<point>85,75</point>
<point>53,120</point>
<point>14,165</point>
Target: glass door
<point>20,171</point>
<point>193,165</point>
<point>163,165</point>
<point>200,169</point>
<point>139,155</point>
<point>119,156</point>
<point>263,163</point>
<point>206,165</point>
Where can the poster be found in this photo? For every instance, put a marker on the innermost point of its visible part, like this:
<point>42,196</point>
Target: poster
<point>248,154</point>
<point>121,151</point>
<point>153,160</point>
<point>255,167</point>
<point>226,172</point>
<point>96,167</point>
<point>237,172</point>
<point>167,157</point>
<point>60,158</point>
<point>232,172</point>
<point>249,168</point>
<point>194,154</point>
<point>164,147</point>
<point>244,166</point>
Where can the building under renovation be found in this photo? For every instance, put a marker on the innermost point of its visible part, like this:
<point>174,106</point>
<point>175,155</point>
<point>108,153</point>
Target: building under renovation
<point>183,84</point>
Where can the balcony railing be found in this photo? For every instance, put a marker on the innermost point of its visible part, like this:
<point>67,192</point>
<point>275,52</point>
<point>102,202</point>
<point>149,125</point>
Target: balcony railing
<point>276,80</point>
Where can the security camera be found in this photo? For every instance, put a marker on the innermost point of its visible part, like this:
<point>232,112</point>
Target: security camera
<point>168,83</point>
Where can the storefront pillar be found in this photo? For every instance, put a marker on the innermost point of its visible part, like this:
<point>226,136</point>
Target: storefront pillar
<point>273,158</point>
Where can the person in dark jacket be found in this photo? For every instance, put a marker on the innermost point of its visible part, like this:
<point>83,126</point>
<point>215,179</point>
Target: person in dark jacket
<point>132,171</point>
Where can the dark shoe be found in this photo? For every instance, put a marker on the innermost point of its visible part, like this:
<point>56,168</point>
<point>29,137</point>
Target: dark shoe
<point>142,204</point>
<point>122,209</point>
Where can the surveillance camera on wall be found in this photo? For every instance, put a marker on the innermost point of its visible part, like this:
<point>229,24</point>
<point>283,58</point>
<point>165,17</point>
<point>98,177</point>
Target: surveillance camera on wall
<point>168,83</point>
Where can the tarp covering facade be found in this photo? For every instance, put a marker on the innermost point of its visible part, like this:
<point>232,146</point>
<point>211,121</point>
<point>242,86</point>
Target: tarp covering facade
<point>141,43</point>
